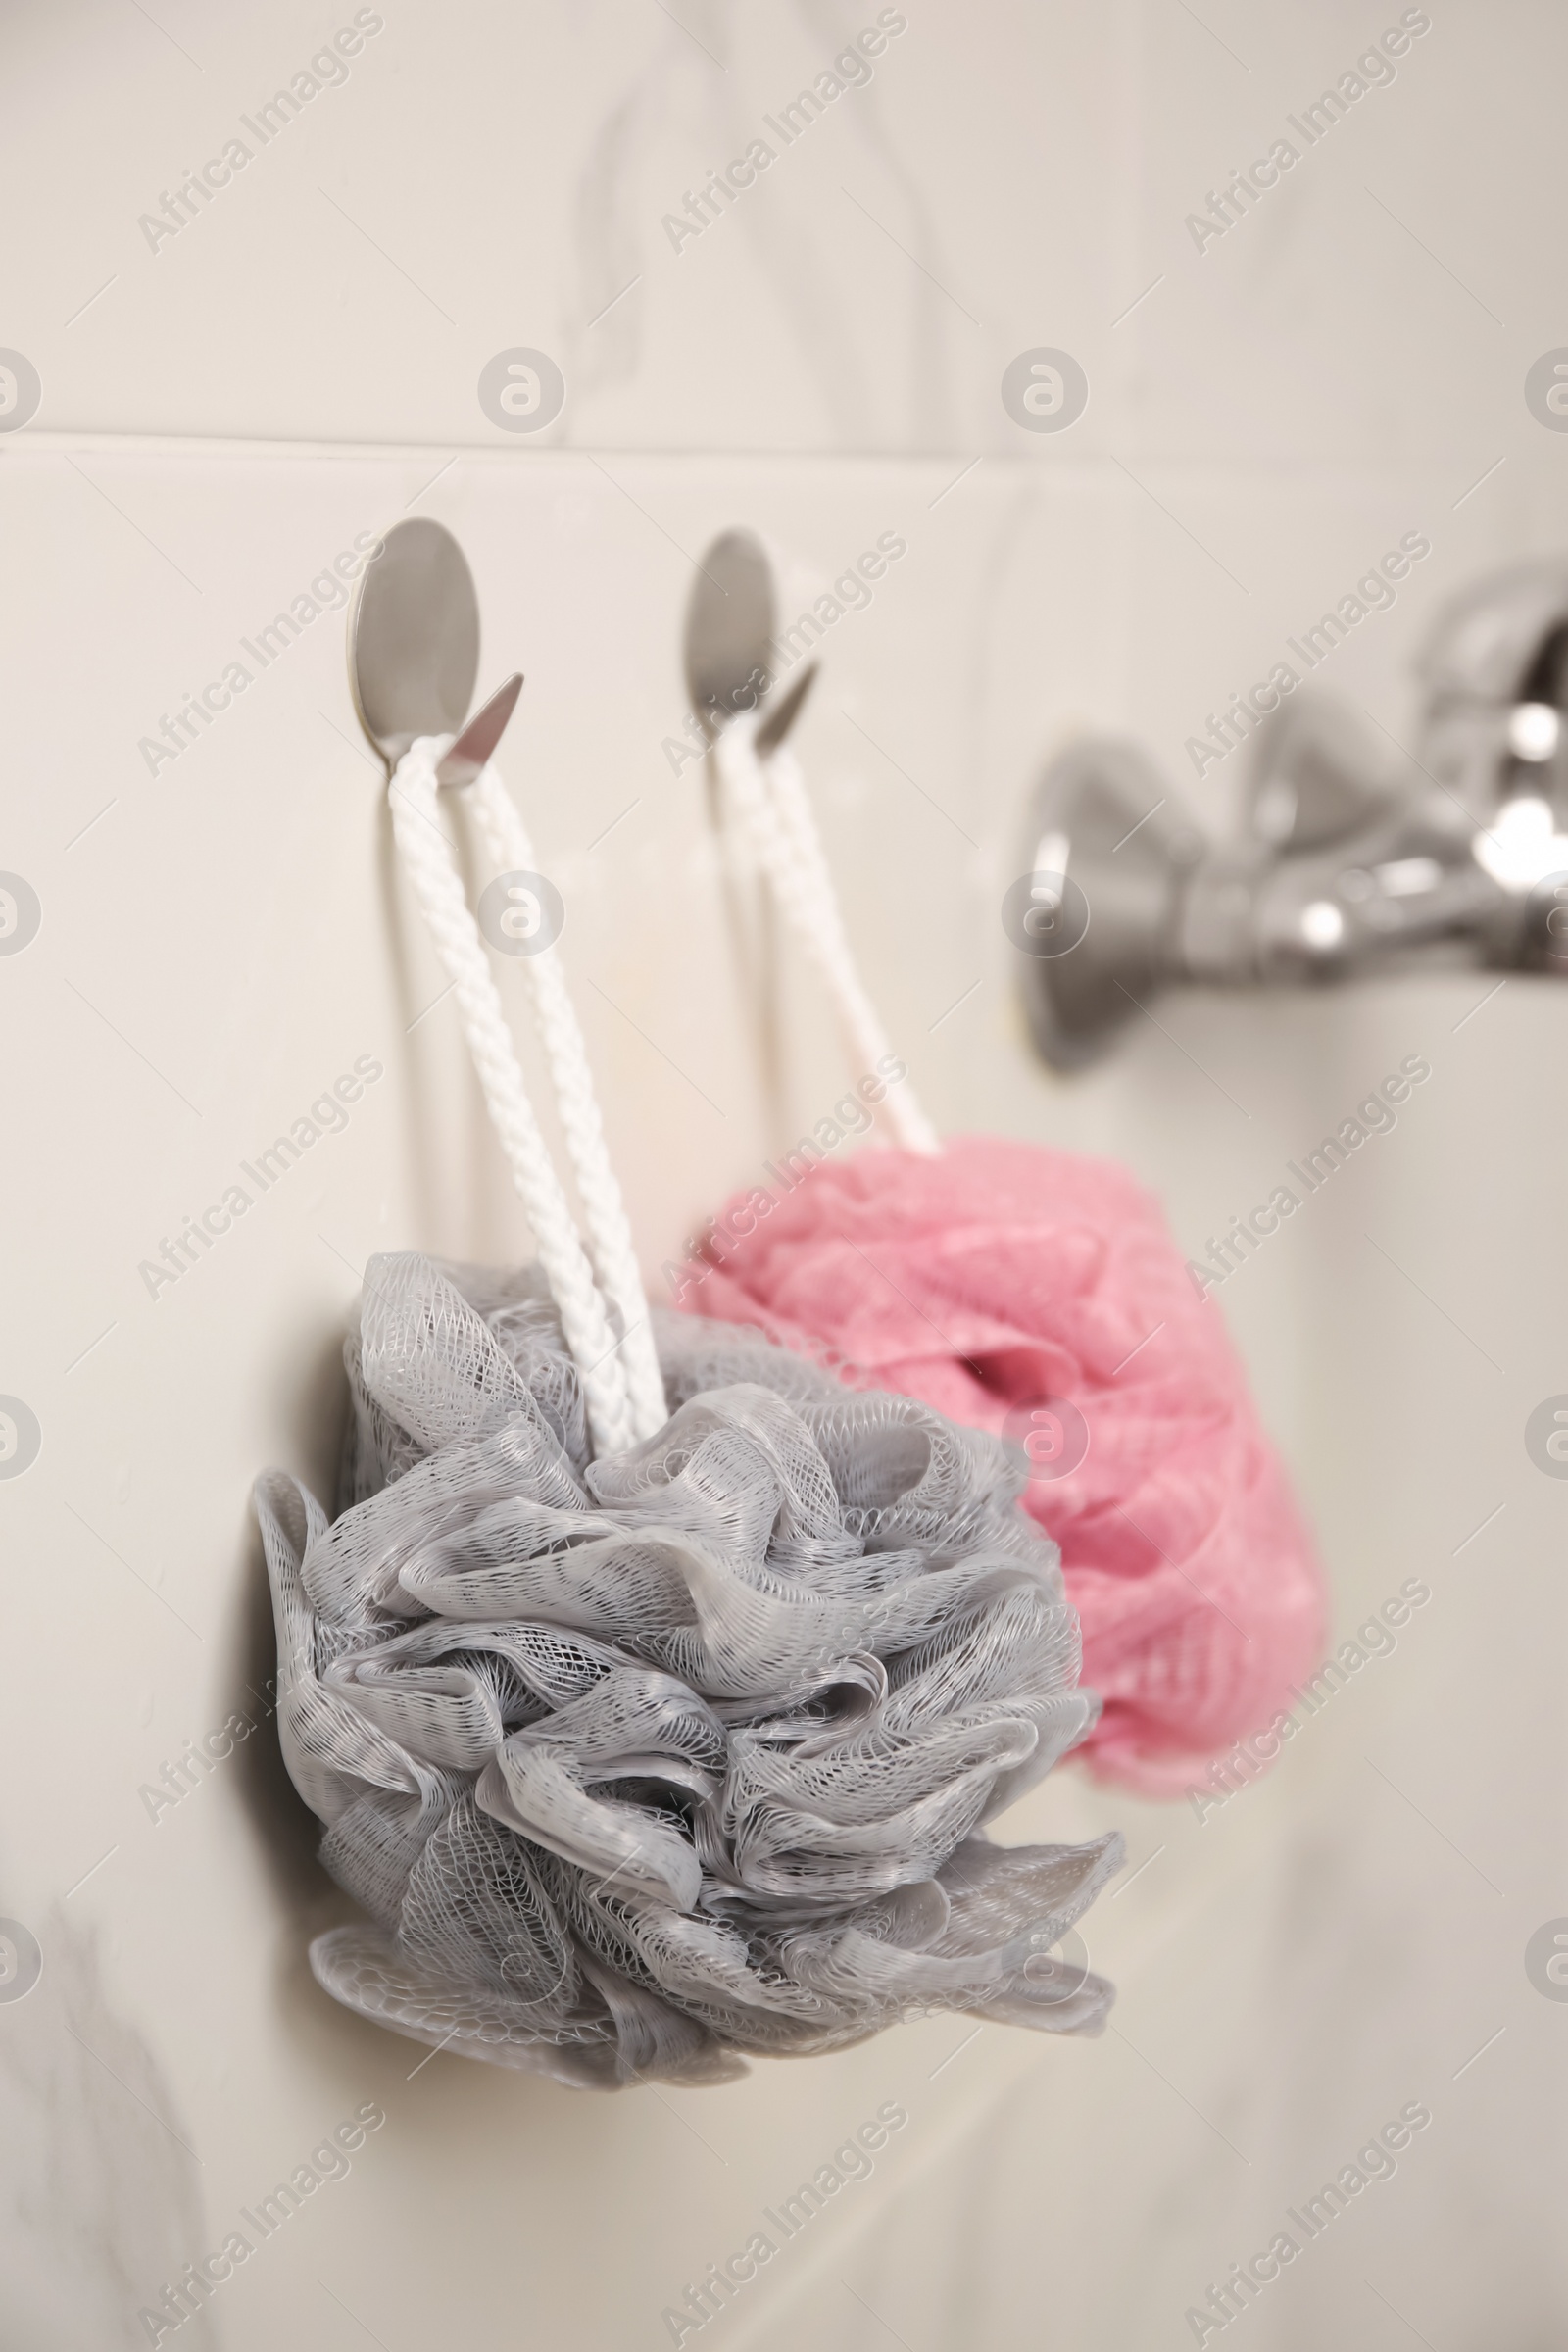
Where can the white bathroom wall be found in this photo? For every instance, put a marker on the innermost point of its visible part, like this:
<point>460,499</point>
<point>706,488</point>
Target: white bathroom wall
<point>224,936</point>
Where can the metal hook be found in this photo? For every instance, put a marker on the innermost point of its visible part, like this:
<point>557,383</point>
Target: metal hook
<point>785,711</point>
<point>731,625</point>
<point>413,652</point>
<point>470,753</point>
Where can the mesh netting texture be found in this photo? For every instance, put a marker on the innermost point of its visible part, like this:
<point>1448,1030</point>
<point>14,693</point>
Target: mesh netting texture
<point>644,1763</point>
<point>999,1277</point>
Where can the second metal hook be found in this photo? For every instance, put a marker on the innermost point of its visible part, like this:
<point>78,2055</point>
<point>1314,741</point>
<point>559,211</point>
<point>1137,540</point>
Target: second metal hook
<point>730,647</point>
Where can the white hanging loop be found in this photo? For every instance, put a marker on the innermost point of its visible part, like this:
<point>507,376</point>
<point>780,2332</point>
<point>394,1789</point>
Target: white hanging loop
<point>428,860</point>
<point>769,802</point>
<point>610,1240</point>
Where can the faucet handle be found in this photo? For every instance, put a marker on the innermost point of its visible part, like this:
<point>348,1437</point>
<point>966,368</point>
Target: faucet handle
<point>1494,672</point>
<point>1315,775</point>
<point>1487,639</point>
<point>1098,916</point>
<point>1349,859</point>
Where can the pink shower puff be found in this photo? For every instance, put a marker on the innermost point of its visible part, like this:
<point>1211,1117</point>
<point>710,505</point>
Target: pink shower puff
<point>998,1276</point>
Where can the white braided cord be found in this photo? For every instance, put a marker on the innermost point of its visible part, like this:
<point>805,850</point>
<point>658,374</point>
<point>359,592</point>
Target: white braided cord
<point>428,860</point>
<point>608,1229</point>
<point>771,803</point>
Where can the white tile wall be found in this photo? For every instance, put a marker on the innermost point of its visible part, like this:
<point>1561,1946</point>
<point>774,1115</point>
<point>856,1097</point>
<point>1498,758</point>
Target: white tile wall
<point>220,938</point>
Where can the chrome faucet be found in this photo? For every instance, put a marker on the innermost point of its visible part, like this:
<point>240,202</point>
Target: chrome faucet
<point>1353,856</point>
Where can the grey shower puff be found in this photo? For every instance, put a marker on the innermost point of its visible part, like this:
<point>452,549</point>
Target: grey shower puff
<point>642,1763</point>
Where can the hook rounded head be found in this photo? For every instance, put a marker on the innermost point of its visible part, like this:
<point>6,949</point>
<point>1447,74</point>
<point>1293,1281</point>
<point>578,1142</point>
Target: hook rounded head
<point>731,621</point>
<point>414,638</point>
